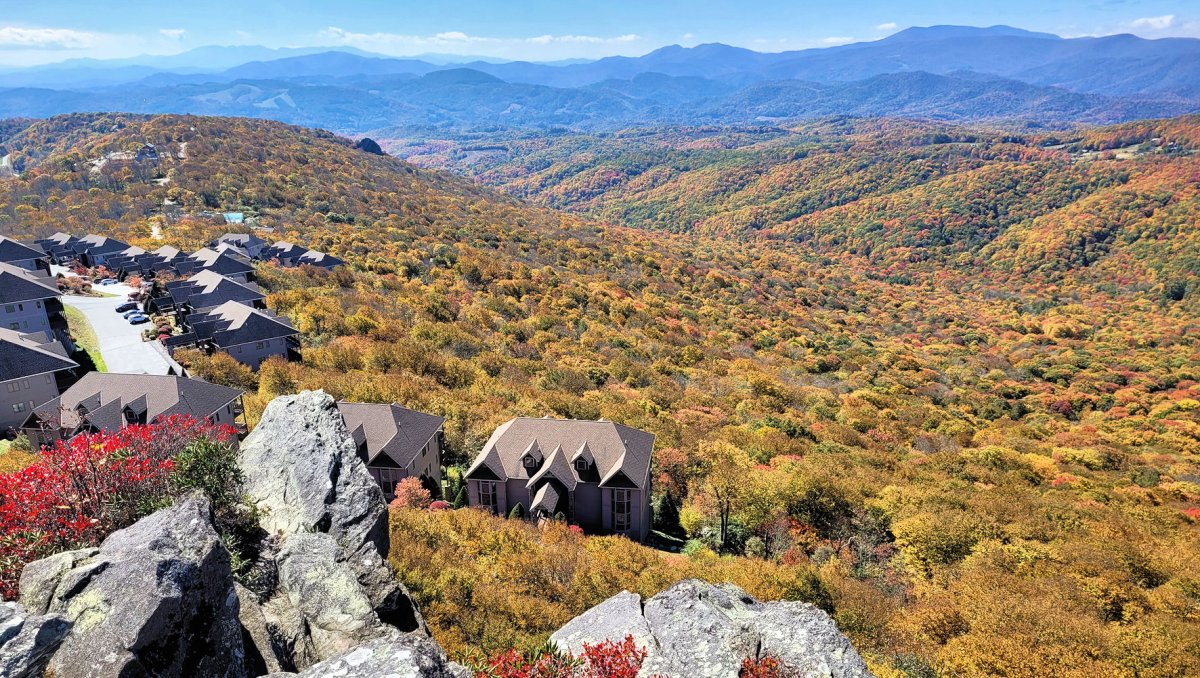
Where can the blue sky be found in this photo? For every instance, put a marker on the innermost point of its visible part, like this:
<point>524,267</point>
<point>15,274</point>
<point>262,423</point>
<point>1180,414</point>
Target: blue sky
<point>41,31</point>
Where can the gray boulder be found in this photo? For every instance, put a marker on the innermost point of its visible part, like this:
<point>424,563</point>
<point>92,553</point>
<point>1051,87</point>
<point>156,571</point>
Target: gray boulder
<point>301,468</point>
<point>329,519</point>
<point>337,610</point>
<point>700,630</point>
<point>400,655</point>
<point>27,641</point>
<point>157,598</point>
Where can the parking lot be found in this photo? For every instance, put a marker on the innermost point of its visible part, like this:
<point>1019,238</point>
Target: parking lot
<point>121,344</point>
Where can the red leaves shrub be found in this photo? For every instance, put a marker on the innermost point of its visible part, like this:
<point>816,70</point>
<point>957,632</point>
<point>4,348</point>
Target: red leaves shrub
<point>410,493</point>
<point>513,664</point>
<point>82,489</point>
<point>603,660</point>
<point>613,660</point>
<point>766,667</point>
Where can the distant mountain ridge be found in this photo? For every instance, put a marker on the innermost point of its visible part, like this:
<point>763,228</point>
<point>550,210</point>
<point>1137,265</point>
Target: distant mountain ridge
<point>942,72</point>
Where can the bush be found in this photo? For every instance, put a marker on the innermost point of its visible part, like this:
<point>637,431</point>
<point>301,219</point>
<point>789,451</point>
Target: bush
<point>607,659</point>
<point>82,489</point>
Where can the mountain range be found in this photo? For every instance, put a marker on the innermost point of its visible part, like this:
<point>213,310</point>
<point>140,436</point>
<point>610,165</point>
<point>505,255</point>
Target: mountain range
<point>945,72</point>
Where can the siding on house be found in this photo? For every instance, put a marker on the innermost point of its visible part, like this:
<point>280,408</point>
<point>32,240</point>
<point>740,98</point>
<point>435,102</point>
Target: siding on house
<point>29,364</point>
<point>19,397</point>
<point>596,473</point>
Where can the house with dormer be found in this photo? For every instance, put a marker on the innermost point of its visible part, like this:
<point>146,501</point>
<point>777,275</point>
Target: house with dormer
<point>108,401</point>
<point>595,474</point>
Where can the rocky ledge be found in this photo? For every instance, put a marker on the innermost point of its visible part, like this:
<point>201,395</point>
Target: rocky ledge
<point>159,599</point>
<point>701,630</point>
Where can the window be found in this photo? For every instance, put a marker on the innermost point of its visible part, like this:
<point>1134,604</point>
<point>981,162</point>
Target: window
<point>18,407</point>
<point>487,494</point>
<point>388,477</point>
<point>14,326</point>
<point>20,307</point>
<point>259,345</point>
<point>9,308</point>
<point>49,379</point>
<point>530,462</point>
<point>39,304</point>
<point>581,464</point>
<point>620,510</point>
<point>12,386</point>
<point>25,383</point>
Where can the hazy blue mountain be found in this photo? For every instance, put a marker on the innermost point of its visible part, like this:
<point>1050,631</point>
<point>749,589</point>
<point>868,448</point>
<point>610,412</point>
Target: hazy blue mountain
<point>334,63</point>
<point>462,99</point>
<point>950,72</point>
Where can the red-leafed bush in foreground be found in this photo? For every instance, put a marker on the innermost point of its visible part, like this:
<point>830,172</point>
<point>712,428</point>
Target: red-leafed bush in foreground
<point>603,660</point>
<point>82,489</point>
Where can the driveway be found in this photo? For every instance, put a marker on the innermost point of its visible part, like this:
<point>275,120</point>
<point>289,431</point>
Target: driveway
<point>121,344</point>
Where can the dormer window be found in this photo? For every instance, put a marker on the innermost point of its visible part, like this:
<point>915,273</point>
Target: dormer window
<point>581,465</point>
<point>530,462</point>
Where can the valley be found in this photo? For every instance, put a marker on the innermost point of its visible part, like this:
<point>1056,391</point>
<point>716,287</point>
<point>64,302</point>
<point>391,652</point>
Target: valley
<point>950,371</point>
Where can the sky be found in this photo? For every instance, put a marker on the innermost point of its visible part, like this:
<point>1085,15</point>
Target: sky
<point>46,31</point>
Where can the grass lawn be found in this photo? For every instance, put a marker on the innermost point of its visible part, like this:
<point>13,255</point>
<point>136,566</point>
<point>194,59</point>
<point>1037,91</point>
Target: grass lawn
<point>85,336</point>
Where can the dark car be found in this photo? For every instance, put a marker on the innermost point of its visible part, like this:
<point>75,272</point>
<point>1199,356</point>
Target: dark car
<point>127,306</point>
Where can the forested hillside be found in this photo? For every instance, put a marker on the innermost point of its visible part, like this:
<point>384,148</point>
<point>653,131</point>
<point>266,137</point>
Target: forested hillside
<point>896,196</point>
<point>943,382</point>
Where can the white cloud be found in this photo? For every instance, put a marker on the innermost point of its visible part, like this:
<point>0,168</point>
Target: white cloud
<point>889,26</point>
<point>172,33</point>
<point>1158,23</point>
<point>836,40</point>
<point>537,46</point>
<point>16,37</point>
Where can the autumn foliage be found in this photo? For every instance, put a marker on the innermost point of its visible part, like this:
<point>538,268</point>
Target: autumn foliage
<point>81,489</point>
<point>943,381</point>
<point>606,659</point>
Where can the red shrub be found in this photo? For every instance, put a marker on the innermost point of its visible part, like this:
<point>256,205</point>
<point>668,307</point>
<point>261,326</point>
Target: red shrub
<point>603,660</point>
<point>767,667</point>
<point>82,489</point>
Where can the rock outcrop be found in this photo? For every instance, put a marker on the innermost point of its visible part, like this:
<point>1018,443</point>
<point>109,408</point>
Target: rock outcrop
<point>26,642</point>
<point>156,598</point>
<point>328,518</point>
<point>699,630</point>
<point>396,656</point>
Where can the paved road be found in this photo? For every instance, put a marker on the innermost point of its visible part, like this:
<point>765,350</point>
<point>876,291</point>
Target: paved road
<point>120,343</point>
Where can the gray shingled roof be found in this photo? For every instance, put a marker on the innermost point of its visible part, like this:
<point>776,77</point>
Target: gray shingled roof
<point>208,289</point>
<point>13,250</point>
<point>105,395</point>
<point>18,284</point>
<point>616,449</point>
<point>24,355</point>
<point>241,239</point>
<point>220,262</point>
<point>234,323</point>
<point>391,430</point>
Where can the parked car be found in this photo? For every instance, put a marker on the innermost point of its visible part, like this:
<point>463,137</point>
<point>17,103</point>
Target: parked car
<point>138,319</point>
<point>126,307</point>
<point>134,311</point>
<point>108,281</point>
